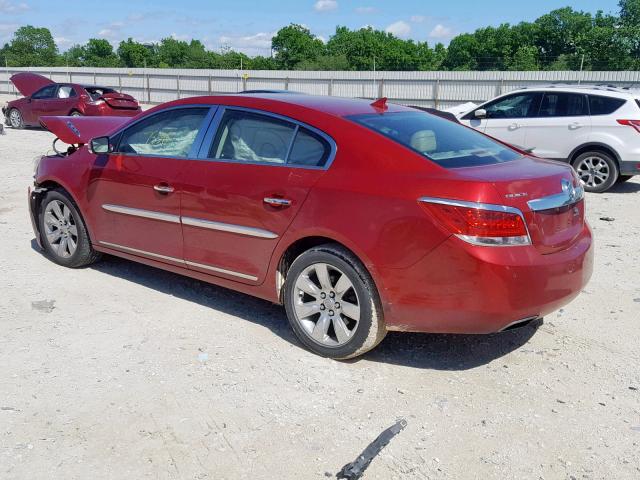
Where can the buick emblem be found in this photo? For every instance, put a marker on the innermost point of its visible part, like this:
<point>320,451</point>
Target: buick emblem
<point>569,188</point>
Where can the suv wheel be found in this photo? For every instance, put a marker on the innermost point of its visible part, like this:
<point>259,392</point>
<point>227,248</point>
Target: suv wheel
<point>332,303</point>
<point>15,118</point>
<point>64,235</point>
<point>598,171</point>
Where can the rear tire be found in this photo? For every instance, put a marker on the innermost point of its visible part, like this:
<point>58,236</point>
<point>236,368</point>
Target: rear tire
<point>332,303</point>
<point>15,119</point>
<point>75,113</point>
<point>597,171</point>
<point>64,234</point>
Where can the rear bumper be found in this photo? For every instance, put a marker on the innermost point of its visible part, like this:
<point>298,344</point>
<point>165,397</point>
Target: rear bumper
<point>460,288</point>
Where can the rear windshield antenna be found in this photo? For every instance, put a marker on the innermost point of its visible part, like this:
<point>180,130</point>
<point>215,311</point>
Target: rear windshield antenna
<point>380,104</point>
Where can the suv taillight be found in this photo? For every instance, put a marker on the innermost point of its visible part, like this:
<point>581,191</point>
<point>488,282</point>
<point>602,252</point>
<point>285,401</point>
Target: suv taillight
<point>479,223</point>
<point>635,124</point>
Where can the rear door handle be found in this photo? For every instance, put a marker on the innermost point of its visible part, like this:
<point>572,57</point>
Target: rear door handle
<point>514,126</point>
<point>574,126</point>
<point>163,188</point>
<point>277,202</point>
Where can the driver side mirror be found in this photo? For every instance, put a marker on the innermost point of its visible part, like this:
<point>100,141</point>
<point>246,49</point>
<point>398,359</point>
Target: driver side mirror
<point>480,113</point>
<point>100,145</point>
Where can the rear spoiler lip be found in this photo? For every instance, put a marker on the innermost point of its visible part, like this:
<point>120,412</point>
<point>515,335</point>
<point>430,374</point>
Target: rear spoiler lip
<point>80,130</point>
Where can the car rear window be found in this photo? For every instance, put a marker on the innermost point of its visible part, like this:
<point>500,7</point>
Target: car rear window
<point>448,144</point>
<point>604,105</point>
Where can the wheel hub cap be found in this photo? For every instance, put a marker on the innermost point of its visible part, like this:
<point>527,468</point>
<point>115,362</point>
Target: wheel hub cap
<point>60,229</point>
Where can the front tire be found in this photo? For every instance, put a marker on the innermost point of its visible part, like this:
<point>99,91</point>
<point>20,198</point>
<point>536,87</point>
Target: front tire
<point>64,234</point>
<point>597,170</point>
<point>15,119</point>
<point>75,113</point>
<point>332,303</point>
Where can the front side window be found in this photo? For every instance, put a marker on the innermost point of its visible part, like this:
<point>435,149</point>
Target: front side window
<point>168,134</point>
<point>46,92</point>
<point>446,143</point>
<point>66,91</point>
<point>558,104</point>
<point>251,137</point>
<point>516,106</point>
<point>604,105</point>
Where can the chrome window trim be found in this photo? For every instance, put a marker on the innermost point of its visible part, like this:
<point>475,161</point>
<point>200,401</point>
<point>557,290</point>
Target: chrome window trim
<point>193,152</point>
<point>138,212</point>
<point>567,197</point>
<point>217,119</point>
<point>229,227</point>
<point>177,260</point>
<point>483,206</point>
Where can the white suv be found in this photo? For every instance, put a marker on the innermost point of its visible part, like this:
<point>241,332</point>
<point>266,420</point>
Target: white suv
<point>595,128</point>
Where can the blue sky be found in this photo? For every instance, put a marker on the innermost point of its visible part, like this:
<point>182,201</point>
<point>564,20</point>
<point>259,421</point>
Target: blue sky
<point>248,25</point>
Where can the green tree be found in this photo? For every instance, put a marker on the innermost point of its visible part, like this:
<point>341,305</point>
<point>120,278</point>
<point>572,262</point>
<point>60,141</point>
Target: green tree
<point>31,47</point>
<point>294,44</point>
<point>133,54</point>
<point>99,53</point>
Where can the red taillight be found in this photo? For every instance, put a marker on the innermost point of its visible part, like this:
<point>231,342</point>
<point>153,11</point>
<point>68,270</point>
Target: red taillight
<point>478,223</point>
<point>635,124</point>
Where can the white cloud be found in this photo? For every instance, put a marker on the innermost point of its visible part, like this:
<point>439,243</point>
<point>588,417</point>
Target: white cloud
<point>418,18</point>
<point>257,44</point>
<point>63,42</point>
<point>183,38</point>
<point>10,7</point>
<point>440,32</point>
<point>399,29</point>
<point>366,10</point>
<point>325,5</point>
<point>6,32</point>
<point>107,33</point>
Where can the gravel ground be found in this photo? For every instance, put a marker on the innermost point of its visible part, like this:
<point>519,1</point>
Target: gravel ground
<point>125,371</point>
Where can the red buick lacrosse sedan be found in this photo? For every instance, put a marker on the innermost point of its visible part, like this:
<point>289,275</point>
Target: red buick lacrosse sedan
<point>359,217</point>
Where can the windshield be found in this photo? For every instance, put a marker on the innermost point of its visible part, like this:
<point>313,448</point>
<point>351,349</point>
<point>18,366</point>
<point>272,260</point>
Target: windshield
<point>444,142</point>
<point>96,92</point>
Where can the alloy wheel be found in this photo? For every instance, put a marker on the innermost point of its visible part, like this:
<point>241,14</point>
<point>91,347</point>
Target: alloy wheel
<point>61,230</point>
<point>15,118</point>
<point>593,171</point>
<point>326,304</point>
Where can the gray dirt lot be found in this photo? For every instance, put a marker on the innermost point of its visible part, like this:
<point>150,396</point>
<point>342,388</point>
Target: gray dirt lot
<point>122,371</point>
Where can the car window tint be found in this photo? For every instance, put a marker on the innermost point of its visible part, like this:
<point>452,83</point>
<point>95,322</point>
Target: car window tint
<point>46,92</point>
<point>170,133</point>
<point>66,91</point>
<point>309,149</point>
<point>516,106</point>
<point>604,105</point>
<point>446,143</point>
<point>251,137</point>
<point>558,104</point>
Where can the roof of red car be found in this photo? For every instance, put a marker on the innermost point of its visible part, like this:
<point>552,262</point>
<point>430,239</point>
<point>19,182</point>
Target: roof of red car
<point>338,106</point>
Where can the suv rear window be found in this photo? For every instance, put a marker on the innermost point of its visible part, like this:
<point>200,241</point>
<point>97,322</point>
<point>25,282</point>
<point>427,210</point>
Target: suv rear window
<point>446,143</point>
<point>604,105</point>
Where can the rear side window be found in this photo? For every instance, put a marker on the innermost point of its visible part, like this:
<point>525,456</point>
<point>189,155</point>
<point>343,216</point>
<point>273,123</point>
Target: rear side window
<point>559,104</point>
<point>309,149</point>
<point>252,137</point>
<point>446,143</point>
<point>66,91</point>
<point>604,105</point>
<point>169,134</point>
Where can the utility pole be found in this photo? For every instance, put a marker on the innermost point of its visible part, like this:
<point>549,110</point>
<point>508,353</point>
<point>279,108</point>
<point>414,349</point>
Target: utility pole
<point>374,77</point>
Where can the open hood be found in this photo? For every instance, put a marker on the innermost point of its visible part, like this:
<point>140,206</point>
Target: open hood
<point>79,130</point>
<point>28,83</point>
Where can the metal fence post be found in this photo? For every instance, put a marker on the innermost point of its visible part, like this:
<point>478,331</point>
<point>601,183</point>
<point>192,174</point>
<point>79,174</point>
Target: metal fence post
<point>436,94</point>
<point>120,81</point>
<point>286,83</point>
<point>149,89</point>
<point>95,82</point>
<point>178,85</point>
<point>209,89</point>
<point>330,87</point>
<point>381,88</point>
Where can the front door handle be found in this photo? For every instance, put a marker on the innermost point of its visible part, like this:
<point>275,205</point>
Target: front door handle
<point>514,126</point>
<point>574,126</point>
<point>163,188</point>
<point>277,202</point>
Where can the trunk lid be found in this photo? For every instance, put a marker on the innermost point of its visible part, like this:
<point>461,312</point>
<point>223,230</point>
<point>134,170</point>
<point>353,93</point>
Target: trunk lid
<point>80,130</point>
<point>120,101</point>
<point>28,83</point>
<point>545,191</point>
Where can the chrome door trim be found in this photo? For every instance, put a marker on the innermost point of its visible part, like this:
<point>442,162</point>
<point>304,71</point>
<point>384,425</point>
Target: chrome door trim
<point>177,260</point>
<point>141,252</point>
<point>221,270</point>
<point>229,227</point>
<point>138,212</point>
<point>569,195</point>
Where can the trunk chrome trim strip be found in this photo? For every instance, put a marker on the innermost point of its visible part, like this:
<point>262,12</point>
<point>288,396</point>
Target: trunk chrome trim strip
<point>229,227</point>
<point>177,260</point>
<point>221,270</point>
<point>138,212</point>
<point>141,252</point>
<point>569,195</point>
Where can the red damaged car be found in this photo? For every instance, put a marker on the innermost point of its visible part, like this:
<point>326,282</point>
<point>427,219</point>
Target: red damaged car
<point>45,97</point>
<point>360,218</point>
